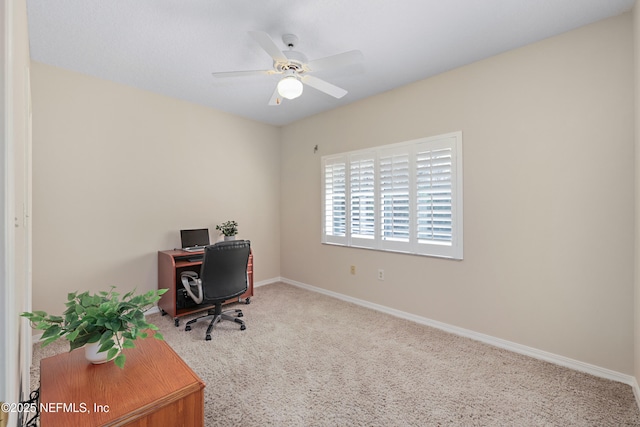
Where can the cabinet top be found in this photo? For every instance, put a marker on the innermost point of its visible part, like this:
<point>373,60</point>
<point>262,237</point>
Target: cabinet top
<point>180,252</point>
<point>153,373</point>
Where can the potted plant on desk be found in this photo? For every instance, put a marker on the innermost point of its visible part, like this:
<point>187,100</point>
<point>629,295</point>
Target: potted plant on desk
<point>229,229</point>
<point>103,323</point>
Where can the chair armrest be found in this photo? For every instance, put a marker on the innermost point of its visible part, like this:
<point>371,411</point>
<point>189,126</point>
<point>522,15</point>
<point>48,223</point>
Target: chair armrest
<point>190,281</point>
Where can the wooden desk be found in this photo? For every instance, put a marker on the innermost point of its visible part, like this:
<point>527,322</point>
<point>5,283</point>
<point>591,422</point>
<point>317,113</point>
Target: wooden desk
<point>155,388</point>
<point>170,265</point>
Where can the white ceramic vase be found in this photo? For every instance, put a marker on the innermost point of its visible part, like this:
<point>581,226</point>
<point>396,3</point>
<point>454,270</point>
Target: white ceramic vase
<point>226,238</point>
<point>92,354</point>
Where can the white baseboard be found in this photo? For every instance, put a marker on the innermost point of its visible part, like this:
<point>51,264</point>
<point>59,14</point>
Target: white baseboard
<point>636,390</point>
<point>268,281</point>
<point>488,339</point>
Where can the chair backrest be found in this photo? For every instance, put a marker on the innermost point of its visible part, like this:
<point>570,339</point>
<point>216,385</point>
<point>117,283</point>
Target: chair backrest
<point>224,270</point>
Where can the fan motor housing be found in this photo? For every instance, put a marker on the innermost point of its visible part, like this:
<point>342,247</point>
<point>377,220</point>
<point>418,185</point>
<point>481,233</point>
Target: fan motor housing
<point>296,62</point>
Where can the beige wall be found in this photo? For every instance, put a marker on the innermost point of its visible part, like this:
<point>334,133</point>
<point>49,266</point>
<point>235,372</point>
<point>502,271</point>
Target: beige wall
<point>119,171</point>
<point>548,145</point>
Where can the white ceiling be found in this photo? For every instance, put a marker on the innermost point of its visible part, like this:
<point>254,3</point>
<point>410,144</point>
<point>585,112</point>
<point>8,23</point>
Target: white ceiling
<point>172,46</point>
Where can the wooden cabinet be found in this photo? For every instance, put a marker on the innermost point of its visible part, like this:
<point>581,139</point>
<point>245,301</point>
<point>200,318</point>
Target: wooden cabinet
<point>170,265</point>
<point>155,388</point>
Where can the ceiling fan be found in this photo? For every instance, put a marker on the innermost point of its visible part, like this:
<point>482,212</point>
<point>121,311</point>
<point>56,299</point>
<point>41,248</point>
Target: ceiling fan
<point>296,68</point>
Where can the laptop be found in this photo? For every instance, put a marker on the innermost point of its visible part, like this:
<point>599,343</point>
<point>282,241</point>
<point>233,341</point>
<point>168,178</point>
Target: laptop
<point>194,240</point>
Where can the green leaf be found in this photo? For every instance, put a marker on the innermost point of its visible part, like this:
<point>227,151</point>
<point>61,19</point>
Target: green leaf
<point>158,336</point>
<point>93,337</point>
<point>105,336</point>
<point>112,353</point>
<point>35,320</point>
<point>119,361</point>
<point>51,331</point>
<point>114,325</point>
<point>42,325</point>
<point>93,311</point>
<point>86,300</point>
<point>108,345</point>
<point>76,344</point>
<point>128,344</point>
<point>73,335</point>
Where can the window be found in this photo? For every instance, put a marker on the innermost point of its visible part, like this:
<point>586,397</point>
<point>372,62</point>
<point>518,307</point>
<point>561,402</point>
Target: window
<point>403,197</point>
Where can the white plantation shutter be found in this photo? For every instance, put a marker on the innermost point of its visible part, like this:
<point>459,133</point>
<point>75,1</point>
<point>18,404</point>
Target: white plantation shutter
<point>433,181</point>
<point>403,197</point>
<point>437,225</point>
<point>395,195</point>
<point>335,200</point>
<point>362,194</point>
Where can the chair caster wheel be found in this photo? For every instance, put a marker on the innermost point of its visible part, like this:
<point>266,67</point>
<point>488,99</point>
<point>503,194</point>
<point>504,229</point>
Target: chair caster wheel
<point>247,301</point>
<point>240,314</point>
<point>243,327</point>
<point>176,322</point>
<point>187,328</point>
<point>208,338</point>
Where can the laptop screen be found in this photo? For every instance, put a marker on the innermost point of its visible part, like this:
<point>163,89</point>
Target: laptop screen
<point>191,238</point>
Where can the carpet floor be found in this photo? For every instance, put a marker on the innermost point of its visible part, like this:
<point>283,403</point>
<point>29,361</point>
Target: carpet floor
<point>307,359</point>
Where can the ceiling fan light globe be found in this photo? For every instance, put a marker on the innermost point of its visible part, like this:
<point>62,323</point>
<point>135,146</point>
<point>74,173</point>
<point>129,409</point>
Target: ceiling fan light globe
<point>290,87</point>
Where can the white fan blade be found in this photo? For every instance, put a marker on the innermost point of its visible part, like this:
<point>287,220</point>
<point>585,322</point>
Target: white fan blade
<point>243,73</point>
<point>334,61</point>
<point>268,45</point>
<point>326,87</point>
<point>275,98</point>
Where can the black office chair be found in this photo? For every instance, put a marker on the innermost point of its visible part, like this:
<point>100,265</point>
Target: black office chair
<point>223,276</point>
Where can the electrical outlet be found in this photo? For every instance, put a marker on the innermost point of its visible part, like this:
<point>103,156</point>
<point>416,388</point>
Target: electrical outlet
<point>380,274</point>
<point>353,269</point>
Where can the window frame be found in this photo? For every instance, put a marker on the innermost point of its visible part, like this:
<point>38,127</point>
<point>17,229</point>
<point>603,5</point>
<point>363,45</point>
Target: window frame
<point>444,246</point>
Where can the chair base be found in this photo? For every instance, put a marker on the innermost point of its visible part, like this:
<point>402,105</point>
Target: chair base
<point>218,316</point>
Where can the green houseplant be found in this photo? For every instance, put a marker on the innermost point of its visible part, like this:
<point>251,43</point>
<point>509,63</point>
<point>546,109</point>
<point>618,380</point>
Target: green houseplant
<point>228,228</point>
<point>103,318</point>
